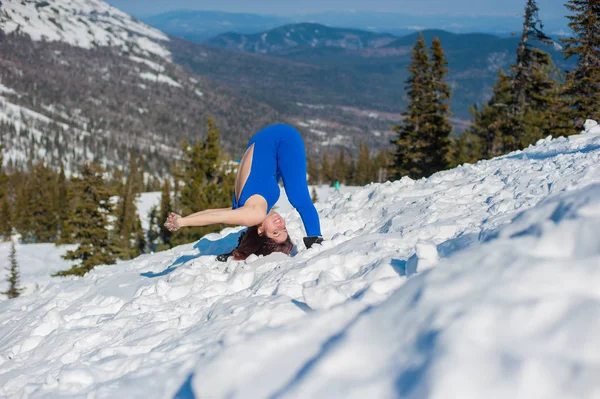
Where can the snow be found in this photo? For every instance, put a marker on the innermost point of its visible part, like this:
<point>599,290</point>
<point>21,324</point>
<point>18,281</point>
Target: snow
<point>37,262</point>
<point>479,282</point>
<point>591,126</point>
<point>82,23</point>
<point>159,78</point>
<point>153,65</point>
<point>144,203</point>
<point>7,90</point>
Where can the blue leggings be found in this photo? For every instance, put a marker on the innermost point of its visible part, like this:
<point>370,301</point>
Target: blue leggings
<point>291,163</point>
<point>279,153</point>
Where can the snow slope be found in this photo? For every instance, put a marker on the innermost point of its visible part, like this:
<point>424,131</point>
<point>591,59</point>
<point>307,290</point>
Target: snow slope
<point>479,282</point>
<point>37,262</point>
<point>81,23</point>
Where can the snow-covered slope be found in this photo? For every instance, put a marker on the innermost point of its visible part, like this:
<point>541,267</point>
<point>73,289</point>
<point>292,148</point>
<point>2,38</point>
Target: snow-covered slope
<point>479,282</point>
<point>81,23</point>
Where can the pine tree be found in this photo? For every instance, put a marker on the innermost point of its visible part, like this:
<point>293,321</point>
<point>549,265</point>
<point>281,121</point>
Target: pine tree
<point>22,220</point>
<point>209,182</point>
<point>91,197</point>
<point>531,85</point>
<point>3,176</point>
<point>381,165</point>
<point>483,139</point>
<point>313,171</point>
<point>364,166</point>
<point>411,155</point>
<point>141,181</point>
<point>326,170</point>
<point>6,226</point>
<point>582,84</point>
<point>41,203</point>
<point>313,195</point>
<point>440,143</point>
<point>127,227</point>
<point>341,167</point>
<point>5,206</point>
<point>13,275</point>
<point>165,209</point>
<point>63,208</point>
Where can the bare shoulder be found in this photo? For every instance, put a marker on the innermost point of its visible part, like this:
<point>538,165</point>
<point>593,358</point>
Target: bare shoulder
<point>258,202</point>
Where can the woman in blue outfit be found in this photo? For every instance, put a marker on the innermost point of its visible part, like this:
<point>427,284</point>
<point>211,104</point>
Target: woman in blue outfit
<point>276,152</point>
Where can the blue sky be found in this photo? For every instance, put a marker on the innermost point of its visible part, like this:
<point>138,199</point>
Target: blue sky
<point>142,8</point>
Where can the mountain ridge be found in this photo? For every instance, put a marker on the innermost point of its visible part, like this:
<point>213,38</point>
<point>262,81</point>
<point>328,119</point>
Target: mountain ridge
<point>299,35</point>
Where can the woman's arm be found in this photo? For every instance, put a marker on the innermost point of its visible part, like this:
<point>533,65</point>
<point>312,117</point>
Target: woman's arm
<point>248,215</point>
<point>208,211</point>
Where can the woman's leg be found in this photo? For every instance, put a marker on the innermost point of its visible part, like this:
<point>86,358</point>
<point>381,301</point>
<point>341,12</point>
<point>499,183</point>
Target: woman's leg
<point>291,162</point>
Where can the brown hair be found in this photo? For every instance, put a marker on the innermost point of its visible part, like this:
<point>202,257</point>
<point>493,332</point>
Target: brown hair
<point>251,242</point>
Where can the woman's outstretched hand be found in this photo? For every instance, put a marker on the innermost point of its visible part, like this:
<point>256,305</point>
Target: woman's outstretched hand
<point>173,222</point>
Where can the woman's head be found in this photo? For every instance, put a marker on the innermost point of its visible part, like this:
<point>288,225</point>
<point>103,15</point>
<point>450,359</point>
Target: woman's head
<point>274,227</point>
<point>256,241</point>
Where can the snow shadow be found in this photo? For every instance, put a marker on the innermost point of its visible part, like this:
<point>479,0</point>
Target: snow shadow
<point>186,391</point>
<point>552,154</point>
<point>399,266</point>
<point>410,379</point>
<point>205,247</point>
<point>457,244</point>
<point>328,346</point>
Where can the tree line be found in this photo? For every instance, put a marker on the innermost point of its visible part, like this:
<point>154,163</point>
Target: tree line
<point>530,101</point>
<point>349,169</point>
<point>96,209</point>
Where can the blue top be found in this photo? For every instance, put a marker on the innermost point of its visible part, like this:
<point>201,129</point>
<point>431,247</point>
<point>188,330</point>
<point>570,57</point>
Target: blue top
<point>263,178</point>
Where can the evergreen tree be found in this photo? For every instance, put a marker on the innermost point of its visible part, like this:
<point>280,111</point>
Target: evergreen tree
<point>141,181</point>
<point>341,167</point>
<point>313,195</point>
<point>6,226</point>
<point>381,165</point>
<point>63,208</point>
<point>209,182</point>
<point>440,144</point>
<point>13,275</point>
<point>531,85</point>
<point>365,173</point>
<point>41,204</point>
<point>22,220</point>
<point>115,182</point>
<point>127,227</point>
<point>483,139</point>
<point>140,239</point>
<point>165,209</point>
<point>5,206</point>
<point>3,176</point>
<point>326,170</point>
<point>313,171</point>
<point>411,155</point>
<point>582,84</point>
<point>92,206</point>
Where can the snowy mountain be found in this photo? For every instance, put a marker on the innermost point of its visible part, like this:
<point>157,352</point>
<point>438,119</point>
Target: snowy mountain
<point>81,80</point>
<point>481,281</point>
<point>81,23</point>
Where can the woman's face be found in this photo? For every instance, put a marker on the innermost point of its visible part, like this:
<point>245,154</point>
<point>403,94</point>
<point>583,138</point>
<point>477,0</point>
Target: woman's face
<point>274,227</point>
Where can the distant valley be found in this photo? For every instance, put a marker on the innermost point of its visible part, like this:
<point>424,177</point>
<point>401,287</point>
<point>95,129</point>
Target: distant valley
<point>324,66</point>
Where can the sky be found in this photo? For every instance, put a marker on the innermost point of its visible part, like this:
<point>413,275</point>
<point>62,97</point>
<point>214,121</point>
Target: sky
<point>144,8</point>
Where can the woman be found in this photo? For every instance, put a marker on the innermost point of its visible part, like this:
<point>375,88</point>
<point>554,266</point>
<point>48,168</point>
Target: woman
<point>276,152</point>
